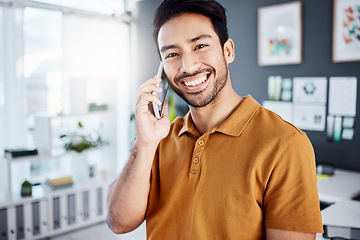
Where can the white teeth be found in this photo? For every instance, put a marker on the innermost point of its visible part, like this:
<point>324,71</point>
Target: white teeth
<point>196,82</point>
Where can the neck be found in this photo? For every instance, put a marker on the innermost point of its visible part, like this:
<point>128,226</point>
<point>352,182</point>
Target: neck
<point>217,111</point>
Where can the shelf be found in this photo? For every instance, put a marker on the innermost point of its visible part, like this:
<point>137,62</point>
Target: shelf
<point>79,170</point>
<point>43,192</point>
<point>56,213</point>
<point>85,114</point>
<point>92,172</point>
<point>57,154</point>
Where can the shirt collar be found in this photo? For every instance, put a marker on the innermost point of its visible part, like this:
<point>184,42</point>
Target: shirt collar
<point>232,126</point>
<point>188,126</point>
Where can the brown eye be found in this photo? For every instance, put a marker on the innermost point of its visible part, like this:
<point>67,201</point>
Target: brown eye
<point>200,46</point>
<point>171,55</point>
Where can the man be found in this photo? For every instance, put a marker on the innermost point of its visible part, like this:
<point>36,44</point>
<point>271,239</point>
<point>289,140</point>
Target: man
<point>229,169</point>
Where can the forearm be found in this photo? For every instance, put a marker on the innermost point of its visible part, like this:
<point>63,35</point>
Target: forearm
<point>276,234</point>
<point>128,195</point>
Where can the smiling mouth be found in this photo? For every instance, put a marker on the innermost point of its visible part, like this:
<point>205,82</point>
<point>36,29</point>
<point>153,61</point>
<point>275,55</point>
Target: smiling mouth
<point>196,82</point>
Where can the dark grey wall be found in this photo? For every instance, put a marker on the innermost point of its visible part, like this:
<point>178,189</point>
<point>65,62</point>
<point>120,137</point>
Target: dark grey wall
<point>249,78</point>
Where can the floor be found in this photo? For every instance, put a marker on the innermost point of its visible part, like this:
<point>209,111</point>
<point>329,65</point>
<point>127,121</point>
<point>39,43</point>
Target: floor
<point>101,231</point>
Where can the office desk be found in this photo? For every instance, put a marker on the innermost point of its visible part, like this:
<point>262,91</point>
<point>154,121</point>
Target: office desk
<point>338,190</point>
<point>343,185</point>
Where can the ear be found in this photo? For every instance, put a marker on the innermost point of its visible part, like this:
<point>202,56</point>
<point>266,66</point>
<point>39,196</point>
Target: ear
<point>229,51</point>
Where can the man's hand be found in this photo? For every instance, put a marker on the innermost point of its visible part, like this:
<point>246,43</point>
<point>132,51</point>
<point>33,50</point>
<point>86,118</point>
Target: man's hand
<point>149,129</point>
<point>128,195</point>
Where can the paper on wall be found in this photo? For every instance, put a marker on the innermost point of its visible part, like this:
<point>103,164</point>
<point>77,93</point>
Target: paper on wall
<point>342,96</point>
<point>309,117</point>
<point>283,109</point>
<point>310,89</point>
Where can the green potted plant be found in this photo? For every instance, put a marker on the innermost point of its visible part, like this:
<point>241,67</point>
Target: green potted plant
<point>80,142</point>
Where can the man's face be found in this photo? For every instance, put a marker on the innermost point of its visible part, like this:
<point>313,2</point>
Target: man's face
<point>193,58</point>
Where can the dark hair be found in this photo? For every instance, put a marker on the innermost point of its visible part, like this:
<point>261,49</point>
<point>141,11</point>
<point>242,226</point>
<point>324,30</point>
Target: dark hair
<point>209,8</point>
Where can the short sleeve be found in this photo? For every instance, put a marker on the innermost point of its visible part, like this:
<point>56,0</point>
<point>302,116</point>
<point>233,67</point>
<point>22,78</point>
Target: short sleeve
<point>155,166</point>
<point>291,200</point>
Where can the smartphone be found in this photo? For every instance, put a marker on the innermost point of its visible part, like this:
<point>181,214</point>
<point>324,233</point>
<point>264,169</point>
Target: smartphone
<point>158,109</point>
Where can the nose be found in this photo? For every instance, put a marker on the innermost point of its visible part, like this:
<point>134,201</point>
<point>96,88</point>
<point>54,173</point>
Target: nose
<point>189,63</point>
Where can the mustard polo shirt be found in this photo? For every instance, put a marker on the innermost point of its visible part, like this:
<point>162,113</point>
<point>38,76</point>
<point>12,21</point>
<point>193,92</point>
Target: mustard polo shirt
<point>252,172</point>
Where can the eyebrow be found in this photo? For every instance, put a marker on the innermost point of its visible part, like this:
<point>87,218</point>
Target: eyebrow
<point>192,40</point>
<point>200,37</point>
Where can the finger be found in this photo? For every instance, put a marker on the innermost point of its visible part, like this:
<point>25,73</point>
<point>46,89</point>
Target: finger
<point>142,106</point>
<point>151,81</point>
<point>150,90</point>
<point>148,87</point>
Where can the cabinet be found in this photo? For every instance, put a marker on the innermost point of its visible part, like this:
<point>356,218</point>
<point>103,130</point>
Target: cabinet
<point>58,212</point>
<point>52,211</point>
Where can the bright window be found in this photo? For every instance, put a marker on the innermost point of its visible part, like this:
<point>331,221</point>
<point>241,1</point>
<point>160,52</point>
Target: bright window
<point>43,58</point>
<point>106,7</point>
<point>59,62</point>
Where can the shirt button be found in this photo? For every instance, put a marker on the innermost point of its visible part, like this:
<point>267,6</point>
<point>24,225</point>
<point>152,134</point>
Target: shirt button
<point>195,160</point>
<point>201,143</point>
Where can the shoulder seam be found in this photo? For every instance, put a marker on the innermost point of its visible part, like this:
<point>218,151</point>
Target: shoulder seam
<point>288,143</point>
<point>288,123</point>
